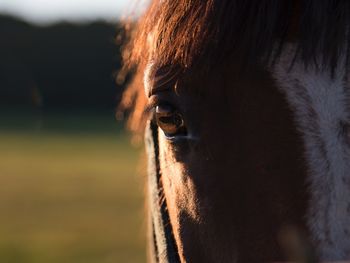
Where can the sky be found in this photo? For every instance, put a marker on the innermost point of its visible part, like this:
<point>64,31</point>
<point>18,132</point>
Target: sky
<point>47,11</point>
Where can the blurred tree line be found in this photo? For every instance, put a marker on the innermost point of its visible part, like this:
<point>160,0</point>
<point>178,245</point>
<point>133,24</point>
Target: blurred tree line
<point>61,67</point>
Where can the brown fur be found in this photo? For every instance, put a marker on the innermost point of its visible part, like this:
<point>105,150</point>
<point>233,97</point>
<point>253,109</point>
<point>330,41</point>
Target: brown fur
<point>230,194</point>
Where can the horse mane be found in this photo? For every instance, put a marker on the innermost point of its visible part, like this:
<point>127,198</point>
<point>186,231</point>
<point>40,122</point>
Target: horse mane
<point>210,34</point>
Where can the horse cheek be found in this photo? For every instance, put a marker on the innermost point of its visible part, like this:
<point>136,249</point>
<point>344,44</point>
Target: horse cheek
<point>181,197</point>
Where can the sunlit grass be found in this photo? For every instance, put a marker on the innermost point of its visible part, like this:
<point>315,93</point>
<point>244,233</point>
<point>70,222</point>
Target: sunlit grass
<point>70,198</point>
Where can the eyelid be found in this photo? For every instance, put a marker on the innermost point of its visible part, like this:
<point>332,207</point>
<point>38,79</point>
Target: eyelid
<point>155,101</point>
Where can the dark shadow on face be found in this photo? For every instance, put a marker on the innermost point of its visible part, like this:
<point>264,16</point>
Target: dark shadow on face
<point>240,176</point>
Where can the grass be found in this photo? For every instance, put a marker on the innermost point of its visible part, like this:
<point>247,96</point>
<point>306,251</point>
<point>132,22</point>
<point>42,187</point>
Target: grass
<point>70,197</point>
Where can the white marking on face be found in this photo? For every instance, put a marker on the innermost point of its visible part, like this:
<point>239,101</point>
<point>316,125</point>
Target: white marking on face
<point>321,109</point>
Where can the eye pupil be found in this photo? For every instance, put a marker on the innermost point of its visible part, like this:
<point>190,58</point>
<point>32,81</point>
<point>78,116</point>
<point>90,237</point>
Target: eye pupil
<point>174,119</point>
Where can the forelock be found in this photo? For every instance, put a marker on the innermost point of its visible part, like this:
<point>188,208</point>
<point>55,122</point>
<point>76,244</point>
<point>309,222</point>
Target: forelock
<point>214,32</point>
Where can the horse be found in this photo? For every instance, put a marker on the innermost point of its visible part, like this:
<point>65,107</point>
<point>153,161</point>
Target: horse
<point>245,108</point>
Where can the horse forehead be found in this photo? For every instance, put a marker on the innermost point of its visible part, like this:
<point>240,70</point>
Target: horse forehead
<point>159,77</point>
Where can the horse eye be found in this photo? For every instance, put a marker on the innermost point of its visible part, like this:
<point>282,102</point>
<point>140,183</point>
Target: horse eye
<point>169,120</point>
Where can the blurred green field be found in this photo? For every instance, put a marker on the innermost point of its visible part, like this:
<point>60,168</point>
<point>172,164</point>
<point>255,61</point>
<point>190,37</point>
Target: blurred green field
<point>70,197</point>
